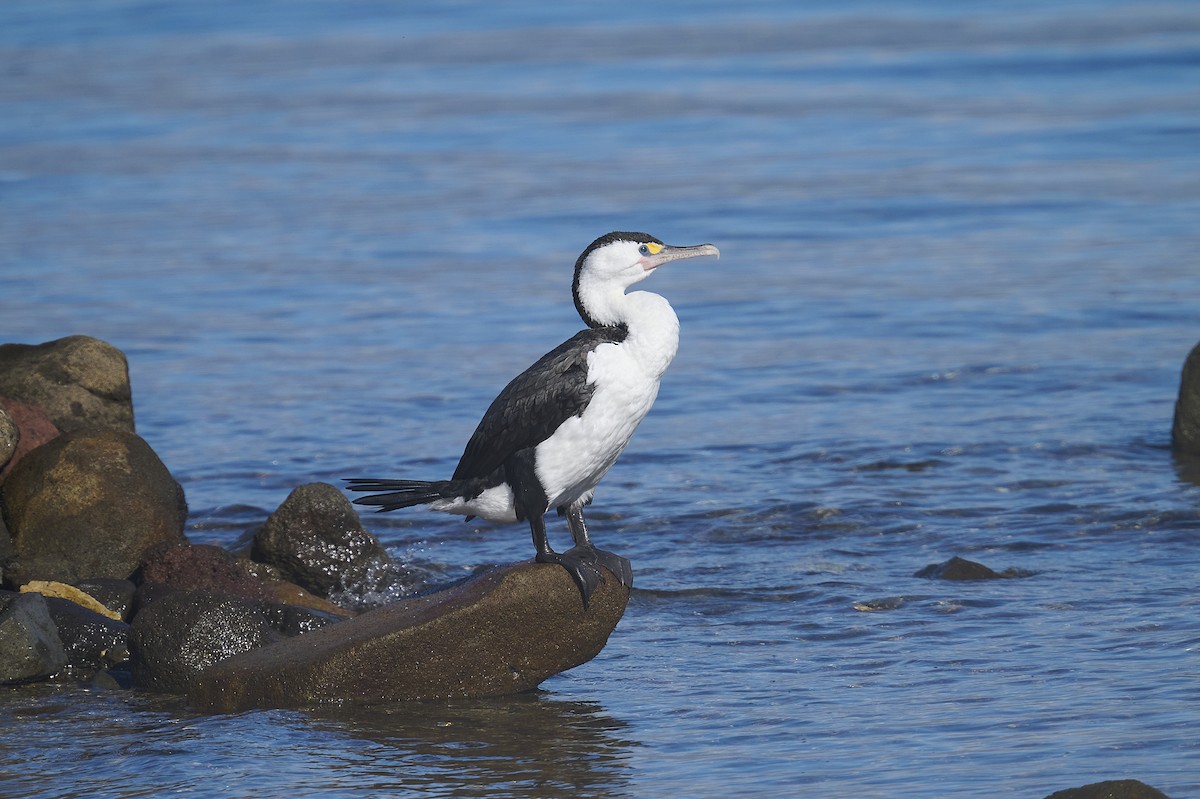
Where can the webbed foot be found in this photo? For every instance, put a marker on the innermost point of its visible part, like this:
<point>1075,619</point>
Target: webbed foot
<point>610,560</point>
<point>582,569</point>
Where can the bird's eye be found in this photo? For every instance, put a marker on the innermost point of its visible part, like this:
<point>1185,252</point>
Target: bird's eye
<point>644,250</point>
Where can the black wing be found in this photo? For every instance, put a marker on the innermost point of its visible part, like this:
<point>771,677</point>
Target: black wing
<point>535,403</point>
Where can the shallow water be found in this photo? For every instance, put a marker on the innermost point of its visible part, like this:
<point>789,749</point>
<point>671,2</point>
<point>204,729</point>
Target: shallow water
<point>958,280</point>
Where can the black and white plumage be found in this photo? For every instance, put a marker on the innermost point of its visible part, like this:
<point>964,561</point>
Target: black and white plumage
<point>553,433</point>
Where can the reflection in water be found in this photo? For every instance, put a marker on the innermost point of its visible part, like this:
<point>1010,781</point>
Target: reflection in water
<point>525,745</point>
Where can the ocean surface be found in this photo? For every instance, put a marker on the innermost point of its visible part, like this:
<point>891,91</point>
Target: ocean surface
<point>960,273</point>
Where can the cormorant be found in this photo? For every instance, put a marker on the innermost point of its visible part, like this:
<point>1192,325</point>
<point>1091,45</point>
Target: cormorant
<point>553,433</point>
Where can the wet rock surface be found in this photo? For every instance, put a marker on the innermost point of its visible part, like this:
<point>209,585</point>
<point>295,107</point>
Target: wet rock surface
<point>179,634</point>
<point>89,504</point>
<point>81,382</point>
<point>316,540</point>
<point>502,632</point>
<point>1111,789</point>
<point>91,642</point>
<point>30,647</point>
<point>1185,431</point>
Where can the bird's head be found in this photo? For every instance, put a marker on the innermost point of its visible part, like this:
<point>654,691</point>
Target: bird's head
<point>615,261</point>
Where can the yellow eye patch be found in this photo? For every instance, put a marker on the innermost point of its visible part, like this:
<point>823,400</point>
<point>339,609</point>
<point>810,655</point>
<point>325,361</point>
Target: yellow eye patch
<point>653,247</point>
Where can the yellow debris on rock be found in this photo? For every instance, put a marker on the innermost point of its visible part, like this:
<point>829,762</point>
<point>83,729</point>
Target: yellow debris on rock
<point>64,591</point>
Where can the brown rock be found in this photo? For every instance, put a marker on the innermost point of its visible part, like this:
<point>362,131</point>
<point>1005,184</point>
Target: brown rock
<point>502,632</point>
<point>1111,789</point>
<point>81,382</point>
<point>89,504</point>
<point>1185,432</point>
<point>203,567</point>
<point>34,426</point>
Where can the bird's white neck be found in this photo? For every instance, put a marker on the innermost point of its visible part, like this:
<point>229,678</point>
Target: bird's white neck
<point>653,327</point>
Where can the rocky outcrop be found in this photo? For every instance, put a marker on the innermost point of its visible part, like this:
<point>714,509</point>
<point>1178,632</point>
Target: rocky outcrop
<point>502,632</point>
<point>89,504</point>
<point>30,648</point>
<point>316,540</point>
<point>81,382</point>
<point>1111,789</point>
<point>1185,432</point>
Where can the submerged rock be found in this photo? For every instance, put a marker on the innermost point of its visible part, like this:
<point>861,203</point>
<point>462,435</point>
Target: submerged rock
<point>30,648</point>
<point>1111,789</point>
<point>962,569</point>
<point>503,632</point>
<point>81,382</point>
<point>316,540</point>
<point>1185,432</point>
<point>89,504</point>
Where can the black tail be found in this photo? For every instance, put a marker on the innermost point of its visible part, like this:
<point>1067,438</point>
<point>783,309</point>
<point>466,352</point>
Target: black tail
<point>400,493</point>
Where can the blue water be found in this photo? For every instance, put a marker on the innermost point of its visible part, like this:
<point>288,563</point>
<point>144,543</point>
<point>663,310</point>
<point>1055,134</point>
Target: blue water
<point>958,280</point>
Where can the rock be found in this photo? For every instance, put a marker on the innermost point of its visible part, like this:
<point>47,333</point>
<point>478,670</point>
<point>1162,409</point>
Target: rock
<point>1185,432</point>
<point>90,641</point>
<point>30,648</point>
<point>317,541</point>
<point>1111,789</point>
<point>81,382</point>
<point>10,436</point>
<point>502,632</point>
<point>34,426</point>
<point>180,634</point>
<point>962,569</point>
<point>116,595</point>
<point>199,567</point>
<point>89,504</point>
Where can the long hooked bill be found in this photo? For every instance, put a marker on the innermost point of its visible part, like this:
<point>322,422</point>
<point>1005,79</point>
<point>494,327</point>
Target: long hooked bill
<point>669,253</point>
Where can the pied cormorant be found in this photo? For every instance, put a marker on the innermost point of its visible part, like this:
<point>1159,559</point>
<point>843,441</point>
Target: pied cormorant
<point>558,427</point>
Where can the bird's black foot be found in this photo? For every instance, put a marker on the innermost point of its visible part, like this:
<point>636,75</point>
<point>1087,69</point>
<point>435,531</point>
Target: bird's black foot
<point>610,560</point>
<point>582,569</point>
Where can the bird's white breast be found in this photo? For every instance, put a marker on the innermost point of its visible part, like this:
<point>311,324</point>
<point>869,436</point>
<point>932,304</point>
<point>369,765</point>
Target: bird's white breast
<point>572,461</point>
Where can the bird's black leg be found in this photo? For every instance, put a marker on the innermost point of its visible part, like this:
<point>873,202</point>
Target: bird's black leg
<point>530,500</point>
<point>587,551</point>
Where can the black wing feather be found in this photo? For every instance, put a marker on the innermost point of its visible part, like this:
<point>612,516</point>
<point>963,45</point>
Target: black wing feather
<point>535,403</point>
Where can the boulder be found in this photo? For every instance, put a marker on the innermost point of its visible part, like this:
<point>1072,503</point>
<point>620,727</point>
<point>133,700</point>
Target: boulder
<point>316,540</point>
<point>10,436</point>
<point>30,648</point>
<point>1110,789</point>
<point>34,429</point>
<point>962,569</point>
<point>81,382</point>
<point>502,632</point>
<point>1185,432</point>
<point>91,642</point>
<point>89,504</point>
<point>179,634</point>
